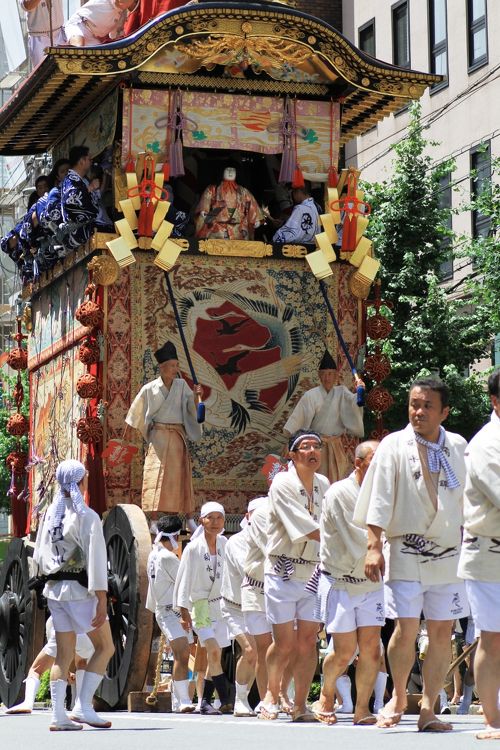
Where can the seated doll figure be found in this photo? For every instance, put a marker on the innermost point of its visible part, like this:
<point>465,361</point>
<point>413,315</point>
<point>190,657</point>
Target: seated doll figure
<point>227,211</point>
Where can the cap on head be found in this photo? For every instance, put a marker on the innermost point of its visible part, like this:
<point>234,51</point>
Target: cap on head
<point>169,525</point>
<point>254,504</point>
<point>166,352</point>
<point>327,362</point>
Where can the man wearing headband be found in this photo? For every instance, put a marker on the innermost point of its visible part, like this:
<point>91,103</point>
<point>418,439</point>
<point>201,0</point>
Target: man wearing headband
<point>163,565</point>
<point>292,553</point>
<point>352,605</point>
<point>413,492</point>
<point>231,607</point>
<point>197,595</point>
<point>164,412</point>
<point>479,556</point>
<point>70,552</point>
<point>331,410</point>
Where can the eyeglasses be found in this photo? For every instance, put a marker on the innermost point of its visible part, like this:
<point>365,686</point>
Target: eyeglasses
<point>309,447</point>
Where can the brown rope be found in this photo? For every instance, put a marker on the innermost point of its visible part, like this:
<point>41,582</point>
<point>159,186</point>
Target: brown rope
<point>152,700</point>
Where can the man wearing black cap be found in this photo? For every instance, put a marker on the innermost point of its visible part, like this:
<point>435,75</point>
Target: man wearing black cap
<point>331,410</point>
<point>164,412</point>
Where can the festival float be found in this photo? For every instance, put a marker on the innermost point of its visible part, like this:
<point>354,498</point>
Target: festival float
<point>278,92</point>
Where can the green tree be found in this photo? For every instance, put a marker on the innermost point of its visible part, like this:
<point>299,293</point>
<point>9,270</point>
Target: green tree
<point>430,331</point>
<point>7,442</point>
<point>483,283</point>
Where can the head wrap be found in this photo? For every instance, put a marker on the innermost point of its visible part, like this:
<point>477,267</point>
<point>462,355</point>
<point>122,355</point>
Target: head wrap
<point>206,509</point>
<point>327,362</point>
<point>296,440</point>
<point>166,352</point>
<point>436,458</point>
<point>68,474</point>
<point>252,505</point>
<point>168,527</point>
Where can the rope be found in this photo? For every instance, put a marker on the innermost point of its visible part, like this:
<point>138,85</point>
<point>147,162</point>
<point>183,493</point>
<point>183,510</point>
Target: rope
<point>151,699</point>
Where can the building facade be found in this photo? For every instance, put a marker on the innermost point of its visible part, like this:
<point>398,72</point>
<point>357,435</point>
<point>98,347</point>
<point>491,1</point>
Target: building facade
<point>455,39</point>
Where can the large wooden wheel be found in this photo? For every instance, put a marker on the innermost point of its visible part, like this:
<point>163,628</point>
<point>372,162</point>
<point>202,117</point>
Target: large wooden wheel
<point>21,623</point>
<point>128,543</point>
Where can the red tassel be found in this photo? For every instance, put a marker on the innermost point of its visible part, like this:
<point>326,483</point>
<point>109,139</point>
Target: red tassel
<point>145,220</point>
<point>349,233</point>
<point>166,171</point>
<point>298,178</point>
<point>333,177</point>
<point>130,165</point>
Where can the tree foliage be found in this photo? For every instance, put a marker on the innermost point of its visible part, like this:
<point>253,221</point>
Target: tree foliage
<point>430,331</point>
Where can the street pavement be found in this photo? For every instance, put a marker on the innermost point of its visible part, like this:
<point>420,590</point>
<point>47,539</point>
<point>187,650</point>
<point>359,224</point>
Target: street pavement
<point>145,731</point>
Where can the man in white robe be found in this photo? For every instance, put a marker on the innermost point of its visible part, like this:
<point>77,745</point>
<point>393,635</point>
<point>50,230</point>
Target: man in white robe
<point>41,18</point>
<point>292,553</point>
<point>70,553</point>
<point>163,565</point>
<point>164,412</point>
<point>353,605</point>
<point>479,558</point>
<point>413,492</point>
<point>231,607</point>
<point>331,410</point>
<point>197,595</point>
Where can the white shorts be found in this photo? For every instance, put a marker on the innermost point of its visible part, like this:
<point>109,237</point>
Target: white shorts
<point>73,615</point>
<point>217,630</point>
<point>287,601</point>
<point>169,623</point>
<point>484,600</point>
<point>84,648</point>
<point>233,617</point>
<point>345,613</point>
<point>256,623</point>
<point>446,601</point>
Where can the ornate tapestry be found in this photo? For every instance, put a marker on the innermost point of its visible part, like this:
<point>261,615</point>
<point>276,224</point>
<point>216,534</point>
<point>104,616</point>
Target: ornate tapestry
<point>256,330</point>
<point>248,123</point>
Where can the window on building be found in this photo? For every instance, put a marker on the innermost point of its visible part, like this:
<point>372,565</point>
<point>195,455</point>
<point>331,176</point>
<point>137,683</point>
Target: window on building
<point>366,37</point>
<point>480,164</point>
<point>401,35</point>
<point>445,197</point>
<point>438,38</point>
<point>5,340</point>
<point>477,33</point>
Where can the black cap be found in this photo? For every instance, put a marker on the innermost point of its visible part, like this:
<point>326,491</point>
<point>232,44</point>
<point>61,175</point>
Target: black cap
<point>166,352</point>
<point>169,524</point>
<point>327,362</point>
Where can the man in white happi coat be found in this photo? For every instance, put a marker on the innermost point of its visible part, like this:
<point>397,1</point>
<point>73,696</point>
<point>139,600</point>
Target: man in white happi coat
<point>353,606</point>
<point>413,492</point>
<point>42,17</point>
<point>197,595</point>
<point>164,412</point>
<point>292,553</point>
<point>331,410</point>
<point>163,565</point>
<point>97,21</point>
<point>480,556</point>
<point>70,552</point>
<point>231,607</point>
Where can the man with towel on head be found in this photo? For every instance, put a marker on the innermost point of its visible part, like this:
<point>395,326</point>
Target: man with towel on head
<point>413,493</point>
<point>164,412</point>
<point>331,410</point>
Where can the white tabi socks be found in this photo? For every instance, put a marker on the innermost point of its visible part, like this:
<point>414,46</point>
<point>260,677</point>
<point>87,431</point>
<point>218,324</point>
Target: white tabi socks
<point>379,692</point>
<point>60,719</point>
<point>83,711</point>
<point>180,691</point>
<point>344,690</point>
<point>31,689</point>
<point>241,704</point>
